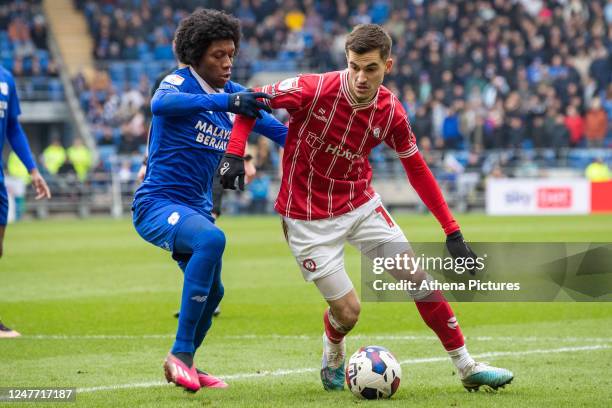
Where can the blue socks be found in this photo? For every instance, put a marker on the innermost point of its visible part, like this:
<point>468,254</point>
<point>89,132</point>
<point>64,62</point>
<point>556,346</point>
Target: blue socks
<point>214,298</point>
<point>200,237</point>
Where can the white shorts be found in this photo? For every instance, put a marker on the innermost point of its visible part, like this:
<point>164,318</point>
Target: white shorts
<point>318,245</point>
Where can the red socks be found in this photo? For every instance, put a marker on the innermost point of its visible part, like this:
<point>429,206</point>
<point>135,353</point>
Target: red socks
<point>333,330</point>
<point>434,310</point>
<point>439,316</point>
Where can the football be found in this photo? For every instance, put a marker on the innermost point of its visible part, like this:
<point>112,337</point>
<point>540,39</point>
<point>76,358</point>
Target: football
<point>373,372</point>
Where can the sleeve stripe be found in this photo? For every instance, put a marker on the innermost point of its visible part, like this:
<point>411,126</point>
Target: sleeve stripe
<point>408,153</point>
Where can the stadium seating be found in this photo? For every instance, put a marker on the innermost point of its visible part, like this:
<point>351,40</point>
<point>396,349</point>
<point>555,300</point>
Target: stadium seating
<point>24,52</point>
<point>459,67</point>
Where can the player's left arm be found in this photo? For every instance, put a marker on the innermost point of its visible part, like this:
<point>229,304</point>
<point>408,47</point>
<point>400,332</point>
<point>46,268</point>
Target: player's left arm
<point>267,125</point>
<point>20,145</point>
<point>403,141</point>
<point>287,94</point>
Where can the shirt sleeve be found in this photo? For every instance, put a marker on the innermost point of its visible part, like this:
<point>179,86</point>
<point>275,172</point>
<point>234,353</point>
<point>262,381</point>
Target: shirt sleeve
<point>14,131</point>
<point>14,108</point>
<point>171,100</point>
<point>401,138</point>
<point>291,94</point>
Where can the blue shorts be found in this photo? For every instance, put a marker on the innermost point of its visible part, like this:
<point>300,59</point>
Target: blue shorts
<point>158,221</point>
<point>3,204</point>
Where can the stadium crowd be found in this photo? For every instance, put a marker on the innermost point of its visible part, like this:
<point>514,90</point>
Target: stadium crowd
<point>472,75</point>
<point>527,76</point>
<point>24,50</point>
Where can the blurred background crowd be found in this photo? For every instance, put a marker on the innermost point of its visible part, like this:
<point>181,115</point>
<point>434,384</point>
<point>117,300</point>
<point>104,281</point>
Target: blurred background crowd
<point>491,86</point>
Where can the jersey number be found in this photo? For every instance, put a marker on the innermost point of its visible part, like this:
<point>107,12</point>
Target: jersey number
<point>381,210</point>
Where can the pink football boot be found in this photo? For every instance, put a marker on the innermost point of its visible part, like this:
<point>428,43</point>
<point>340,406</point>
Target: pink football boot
<point>177,372</point>
<point>7,333</point>
<point>209,381</point>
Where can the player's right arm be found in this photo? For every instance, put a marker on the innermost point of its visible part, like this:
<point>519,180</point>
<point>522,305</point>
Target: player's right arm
<point>290,94</point>
<point>170,100</point>
<point>19,143</point>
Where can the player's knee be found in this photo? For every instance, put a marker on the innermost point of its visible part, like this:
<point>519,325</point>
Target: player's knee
<point>212,241</point>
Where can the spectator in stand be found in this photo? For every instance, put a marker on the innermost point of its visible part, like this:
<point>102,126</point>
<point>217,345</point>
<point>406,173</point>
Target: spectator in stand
<point>595,124</point>
<point>556,132</point>
<point>598,171</point>
<point>538,133</point>
<point>451,133</point>
<point>38,32</point>
<point>80,157</point>
<point>421,124</point>
<point>54,156</point>
<point>600,67</point>
<point>575,126</point>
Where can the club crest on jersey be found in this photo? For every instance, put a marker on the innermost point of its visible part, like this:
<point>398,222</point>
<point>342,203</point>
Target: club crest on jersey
<point>376,132</point>
<point>4,88</point>
<point>173,218</point>
<point>309,265</point>
<point>174,79</point>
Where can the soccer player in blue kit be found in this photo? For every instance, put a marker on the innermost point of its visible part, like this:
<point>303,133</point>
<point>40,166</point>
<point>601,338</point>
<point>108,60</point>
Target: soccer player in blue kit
<point>11,130</point>
<point>172,206</point>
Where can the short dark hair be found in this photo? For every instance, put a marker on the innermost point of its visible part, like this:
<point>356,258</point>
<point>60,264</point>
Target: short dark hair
<point>367,37</point>
<point>197,31</point>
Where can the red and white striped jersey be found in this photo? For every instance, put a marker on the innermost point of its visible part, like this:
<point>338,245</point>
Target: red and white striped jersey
<point>326,171</point>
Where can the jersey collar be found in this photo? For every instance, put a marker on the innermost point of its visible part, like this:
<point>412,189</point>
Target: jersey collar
<point>344,85</point>
<point>203,84</point>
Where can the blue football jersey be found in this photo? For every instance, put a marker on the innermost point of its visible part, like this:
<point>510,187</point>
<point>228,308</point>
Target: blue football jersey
<point>189,134</point>
<point>9,124</point>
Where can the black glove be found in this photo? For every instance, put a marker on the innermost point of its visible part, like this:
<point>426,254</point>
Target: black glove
<point>230,169</point>
<point>458,248</point>
<point>217,196</point>
<point>246,103</point>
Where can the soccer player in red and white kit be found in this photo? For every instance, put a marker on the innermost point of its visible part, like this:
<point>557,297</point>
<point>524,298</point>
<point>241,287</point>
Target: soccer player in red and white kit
<point>326,199</point>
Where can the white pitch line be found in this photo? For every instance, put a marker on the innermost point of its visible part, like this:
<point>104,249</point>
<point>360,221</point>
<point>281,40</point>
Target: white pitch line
<point>309,338</point>
<point>95,336</point>
<point>280,373</point>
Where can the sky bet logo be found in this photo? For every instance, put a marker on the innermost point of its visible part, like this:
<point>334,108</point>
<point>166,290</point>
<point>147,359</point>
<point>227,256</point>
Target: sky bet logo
<point>555,197</point>
<point>517,197</point>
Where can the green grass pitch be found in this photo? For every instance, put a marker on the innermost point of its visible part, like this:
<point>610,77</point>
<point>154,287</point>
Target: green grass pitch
<point>94,303</point>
